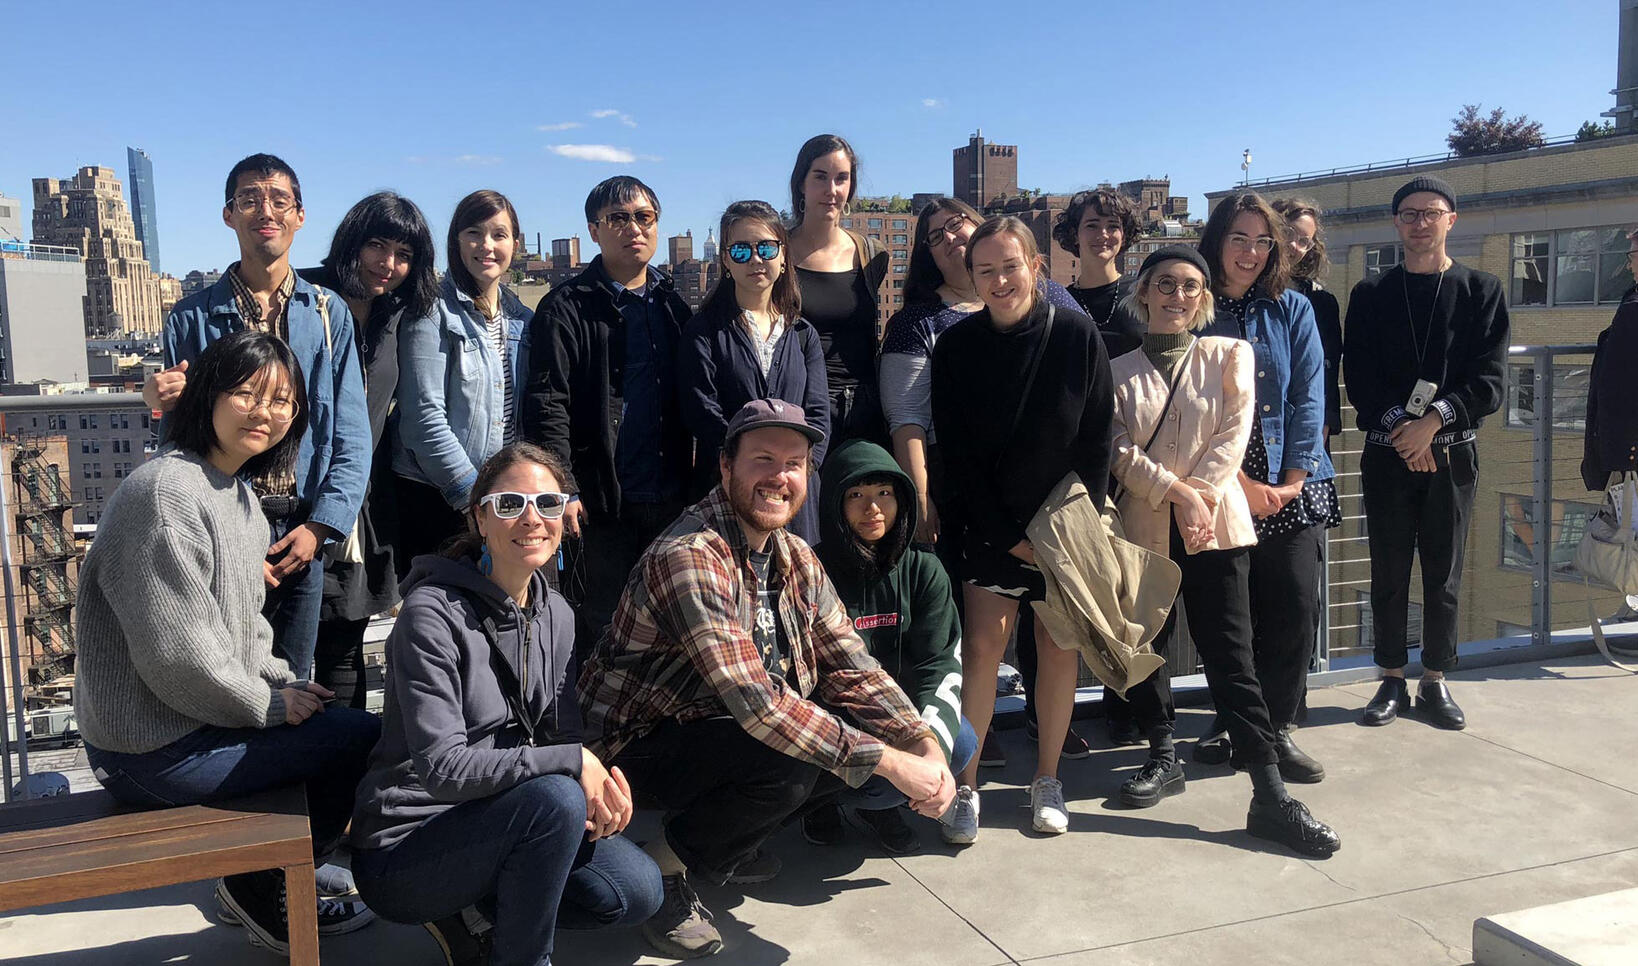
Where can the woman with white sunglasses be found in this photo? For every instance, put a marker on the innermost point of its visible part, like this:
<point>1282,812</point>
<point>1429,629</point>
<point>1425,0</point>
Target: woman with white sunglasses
<point>481,805</point>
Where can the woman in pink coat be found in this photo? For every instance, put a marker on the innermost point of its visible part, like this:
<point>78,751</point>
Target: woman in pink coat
<point>1183,412</point>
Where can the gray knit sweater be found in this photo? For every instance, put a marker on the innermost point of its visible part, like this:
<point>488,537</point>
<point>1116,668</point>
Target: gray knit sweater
<point>168,623</point>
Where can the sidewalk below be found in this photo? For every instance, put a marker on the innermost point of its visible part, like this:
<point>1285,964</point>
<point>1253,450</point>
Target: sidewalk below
<point>1535,803</point>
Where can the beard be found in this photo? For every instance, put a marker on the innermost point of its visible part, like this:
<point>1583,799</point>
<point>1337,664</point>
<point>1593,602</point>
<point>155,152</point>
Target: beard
<point>759,514</point>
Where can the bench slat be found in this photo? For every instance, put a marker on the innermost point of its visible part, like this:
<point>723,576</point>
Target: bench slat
<point>97,815</point>
<point>111,829</point>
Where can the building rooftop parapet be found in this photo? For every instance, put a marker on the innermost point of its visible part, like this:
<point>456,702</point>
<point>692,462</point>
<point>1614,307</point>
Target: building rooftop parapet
<point>44,253</point>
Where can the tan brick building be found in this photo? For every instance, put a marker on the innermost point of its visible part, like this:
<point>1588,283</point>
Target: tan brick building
<point>45,558</point>
<point>895,230</point>
<point>88,212</point>
<point>1551,223</point>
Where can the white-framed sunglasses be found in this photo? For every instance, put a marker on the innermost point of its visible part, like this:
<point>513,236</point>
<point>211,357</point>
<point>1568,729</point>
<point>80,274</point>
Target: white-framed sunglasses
<point>509,505</point>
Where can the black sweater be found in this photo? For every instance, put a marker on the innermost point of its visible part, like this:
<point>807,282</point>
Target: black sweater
<point>1328,316</point>
<point>1466,349</point>
<point>1611,438</point>
<point>1000,477</point>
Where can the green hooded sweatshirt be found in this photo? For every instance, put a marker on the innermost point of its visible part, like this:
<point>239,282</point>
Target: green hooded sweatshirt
<point>901,608</point>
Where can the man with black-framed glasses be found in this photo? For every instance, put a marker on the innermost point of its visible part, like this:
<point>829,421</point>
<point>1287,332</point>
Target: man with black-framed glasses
<point>1424,359</point>
<point>602,393</point>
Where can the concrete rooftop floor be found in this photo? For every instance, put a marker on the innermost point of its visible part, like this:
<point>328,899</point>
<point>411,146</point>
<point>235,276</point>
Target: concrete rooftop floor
<point>1534,803</point>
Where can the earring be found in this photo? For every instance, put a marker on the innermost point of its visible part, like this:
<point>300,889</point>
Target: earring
<point>486,563</point>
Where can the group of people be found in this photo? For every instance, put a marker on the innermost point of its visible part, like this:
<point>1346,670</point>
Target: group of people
<point>753,566</point>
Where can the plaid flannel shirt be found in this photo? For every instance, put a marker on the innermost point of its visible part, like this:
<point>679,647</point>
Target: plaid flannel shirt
<point>680,647</point>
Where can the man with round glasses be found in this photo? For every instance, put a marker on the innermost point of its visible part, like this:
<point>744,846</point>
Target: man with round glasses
<point>601,392</point>
<point>1424,358</point>
<point>315,501</point>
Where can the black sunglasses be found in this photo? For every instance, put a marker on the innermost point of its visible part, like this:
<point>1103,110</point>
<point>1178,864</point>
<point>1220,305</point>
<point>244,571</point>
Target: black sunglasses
<point>740,252</point>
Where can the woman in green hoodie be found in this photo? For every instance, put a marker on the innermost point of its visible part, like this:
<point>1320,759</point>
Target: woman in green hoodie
<point>903,610</point>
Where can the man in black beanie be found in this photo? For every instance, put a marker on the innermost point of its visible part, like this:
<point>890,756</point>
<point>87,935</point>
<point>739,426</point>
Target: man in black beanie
<point>1424,356</point>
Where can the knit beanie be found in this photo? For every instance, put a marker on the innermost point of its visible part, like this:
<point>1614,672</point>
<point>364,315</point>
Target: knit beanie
<point>1179,253</point>
<point>1424,183</point>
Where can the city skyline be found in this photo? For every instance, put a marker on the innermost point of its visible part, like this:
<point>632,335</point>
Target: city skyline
<point>705,126</point>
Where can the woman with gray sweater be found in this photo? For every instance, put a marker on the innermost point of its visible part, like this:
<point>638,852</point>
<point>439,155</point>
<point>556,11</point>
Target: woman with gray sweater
<point>177,691</point>
<point>480,802</point>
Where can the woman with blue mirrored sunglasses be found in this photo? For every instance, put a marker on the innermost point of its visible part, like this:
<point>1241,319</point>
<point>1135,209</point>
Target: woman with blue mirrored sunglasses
<point>749,341</point>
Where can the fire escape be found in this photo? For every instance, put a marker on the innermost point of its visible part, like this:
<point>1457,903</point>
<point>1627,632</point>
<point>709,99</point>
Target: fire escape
<point>47,553</point>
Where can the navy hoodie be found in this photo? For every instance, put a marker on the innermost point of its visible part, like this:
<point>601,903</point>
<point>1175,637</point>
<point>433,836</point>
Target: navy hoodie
<point>448,733</point>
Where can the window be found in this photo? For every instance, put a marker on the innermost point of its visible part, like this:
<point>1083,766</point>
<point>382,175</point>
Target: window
<point>898,283</point>
<point>847,222</point>
<point>85,421</point>
<point>900,224</point>
<point>1380,258</point>
<point>900,253</point>
<point>87,470</point>
<point>898,300</point>
<point>1570,386</point>
<point>1578,266</point>
<point>901,239</point>
<point>85,447</point>
<point>1568,523</point>
<point>875,223</point>
<point>899,268</point>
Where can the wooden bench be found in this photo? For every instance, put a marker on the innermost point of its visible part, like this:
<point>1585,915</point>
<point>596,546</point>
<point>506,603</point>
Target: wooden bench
<point>77,847</point>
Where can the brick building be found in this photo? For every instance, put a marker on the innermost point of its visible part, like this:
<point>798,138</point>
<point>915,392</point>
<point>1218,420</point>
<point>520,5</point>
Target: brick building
<point>985,171</point>
<point>45,557</point>
<point>107,435</point>
<point>88,212</point>
<point>894,230</point>
<point>1551,223</point>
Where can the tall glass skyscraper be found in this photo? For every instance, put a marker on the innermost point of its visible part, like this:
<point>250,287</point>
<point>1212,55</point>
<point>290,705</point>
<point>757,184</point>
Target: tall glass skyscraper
<point>142,204</point>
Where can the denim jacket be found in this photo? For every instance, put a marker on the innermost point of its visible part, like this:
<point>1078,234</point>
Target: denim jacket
<point>1290,374</point>
<point>451,391</point>
<point>333,462</point>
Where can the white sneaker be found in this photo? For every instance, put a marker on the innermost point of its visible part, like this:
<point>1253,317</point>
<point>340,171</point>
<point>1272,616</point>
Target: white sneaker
<point>959,823</point>
<point>1046,804</point>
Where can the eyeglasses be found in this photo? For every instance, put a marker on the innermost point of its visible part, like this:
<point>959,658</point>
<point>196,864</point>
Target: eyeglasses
<point>1427,216</point>
<point>508,505</point>
<point>937,234</point>
<point>245,402</point>
<point>740,252</point>
<point>620,220</point>
<point>249,201</point>
<point>1262,244</point>
<point>1168,285</point>
<point>1301,244</point>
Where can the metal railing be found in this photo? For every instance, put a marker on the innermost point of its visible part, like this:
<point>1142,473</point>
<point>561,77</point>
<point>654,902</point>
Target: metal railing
<point>1396,164</point>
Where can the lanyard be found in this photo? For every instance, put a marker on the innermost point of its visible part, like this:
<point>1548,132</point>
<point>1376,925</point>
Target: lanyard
<point>1433,310</point>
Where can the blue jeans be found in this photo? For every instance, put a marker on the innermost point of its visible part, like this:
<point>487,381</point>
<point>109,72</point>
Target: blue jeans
<point>293,607</point>
<point>522,857</point>
<point>327,753</point>
<point>878,794</point>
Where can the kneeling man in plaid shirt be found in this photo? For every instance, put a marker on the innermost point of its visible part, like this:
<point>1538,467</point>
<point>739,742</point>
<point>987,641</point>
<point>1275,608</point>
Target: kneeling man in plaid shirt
<point>732,688</point>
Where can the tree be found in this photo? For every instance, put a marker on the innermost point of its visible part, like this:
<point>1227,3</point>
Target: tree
<point>1471,134</point>
<point>1592,130</point>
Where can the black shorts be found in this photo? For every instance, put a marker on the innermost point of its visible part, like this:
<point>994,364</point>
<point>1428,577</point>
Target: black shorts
<point>1001,573</point>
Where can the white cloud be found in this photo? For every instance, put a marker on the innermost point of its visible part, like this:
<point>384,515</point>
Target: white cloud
<point>932,102</point>
<point>478,159</point>
<point>593,152</point>
<point>621,116</point>
<point>561,126</point>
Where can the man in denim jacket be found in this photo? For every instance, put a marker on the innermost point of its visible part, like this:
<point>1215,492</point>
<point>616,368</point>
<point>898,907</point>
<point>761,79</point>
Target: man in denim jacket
<point>317,500</point>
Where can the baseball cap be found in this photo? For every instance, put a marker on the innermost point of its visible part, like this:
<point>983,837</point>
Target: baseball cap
<point>760,413</point>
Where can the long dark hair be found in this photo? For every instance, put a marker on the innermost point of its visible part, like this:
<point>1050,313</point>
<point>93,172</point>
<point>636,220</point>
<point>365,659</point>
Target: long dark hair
<point>787,298</point>
<point>391,217</point>
<point>466,545</point>
<point>479,206</point>
<point>813,149</point>
<point>224,366</point>
<point>1276,274</point>
<point>921,282</point>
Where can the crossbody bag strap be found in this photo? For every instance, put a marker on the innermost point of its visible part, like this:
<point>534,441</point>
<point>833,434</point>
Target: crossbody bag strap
<point>1029,374</point>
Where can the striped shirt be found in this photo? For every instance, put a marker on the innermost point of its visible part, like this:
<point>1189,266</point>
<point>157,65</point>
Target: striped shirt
<point>681,647</point>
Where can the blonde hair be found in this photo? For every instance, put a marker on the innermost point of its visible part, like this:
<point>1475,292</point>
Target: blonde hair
<point>1203,315</point>
<point>1010,225</point>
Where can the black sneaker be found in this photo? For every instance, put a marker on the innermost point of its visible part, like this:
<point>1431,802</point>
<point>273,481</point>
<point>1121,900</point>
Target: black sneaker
<point>682,928</point>
<point>890,830</point>
<point>762,866</point>
<point>336,917</point>
<point>822,825</point>
<point>460,945</point>
<point>1289,823</point>
<point>256,901</point>
<point>1075,747</point>
<point>1158,778</point>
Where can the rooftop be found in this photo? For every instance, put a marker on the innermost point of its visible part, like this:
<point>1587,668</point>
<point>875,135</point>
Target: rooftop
<point>1532,804</point>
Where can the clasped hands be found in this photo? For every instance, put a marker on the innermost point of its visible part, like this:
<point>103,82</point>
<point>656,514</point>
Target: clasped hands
<point>1413,441</point>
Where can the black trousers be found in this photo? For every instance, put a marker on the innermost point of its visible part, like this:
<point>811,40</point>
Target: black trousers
<point>1284,584</point>
<point>425,521</point>
<point>1410,515</point>
<point>1216,598</point>
<point>338,660</point>
<point>725,791</point>
<point>598,564</point>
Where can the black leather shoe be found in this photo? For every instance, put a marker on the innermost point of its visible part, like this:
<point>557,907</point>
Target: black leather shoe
<point>1392,697</point>
<point>1433,700</point>
<point>1295,765</point>
<point>1289,823</point>
<point>1158,778</point>
<point>1213,749</point>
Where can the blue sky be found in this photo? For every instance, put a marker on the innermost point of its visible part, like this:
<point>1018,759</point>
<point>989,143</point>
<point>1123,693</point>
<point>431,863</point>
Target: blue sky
<point>711,100</point>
